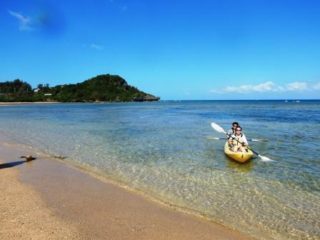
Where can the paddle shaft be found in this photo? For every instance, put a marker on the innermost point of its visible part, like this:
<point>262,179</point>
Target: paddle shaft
<point>250,139</point>
<point>253,151</point>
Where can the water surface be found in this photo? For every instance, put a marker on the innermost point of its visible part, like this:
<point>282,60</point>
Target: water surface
<point>163,149</point>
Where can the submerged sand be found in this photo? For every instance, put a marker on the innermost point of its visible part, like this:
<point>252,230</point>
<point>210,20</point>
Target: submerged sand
<point>48,199</point>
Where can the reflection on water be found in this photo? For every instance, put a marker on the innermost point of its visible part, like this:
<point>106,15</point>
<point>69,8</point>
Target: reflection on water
<point>240,167</point>
<point>162,149</point>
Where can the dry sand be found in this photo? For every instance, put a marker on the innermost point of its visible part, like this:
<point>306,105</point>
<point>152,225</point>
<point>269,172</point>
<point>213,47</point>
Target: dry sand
<point>48,199</point>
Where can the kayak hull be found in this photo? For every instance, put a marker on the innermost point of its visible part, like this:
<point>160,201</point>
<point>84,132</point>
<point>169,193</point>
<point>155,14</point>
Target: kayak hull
<point>241,157</point>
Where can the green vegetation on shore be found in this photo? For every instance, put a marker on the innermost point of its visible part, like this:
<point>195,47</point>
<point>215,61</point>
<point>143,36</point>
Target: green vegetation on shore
<point>106,88</point>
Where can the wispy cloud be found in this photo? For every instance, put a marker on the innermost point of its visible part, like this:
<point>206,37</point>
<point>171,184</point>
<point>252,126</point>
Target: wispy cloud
<point>269,86</point>
<point>124,8</point>
<point>24,21</point>
<point>121,6</point>
<point>262,87</point>
<point>96,46</point>
<point>316,86</point>
<point>297,86</point>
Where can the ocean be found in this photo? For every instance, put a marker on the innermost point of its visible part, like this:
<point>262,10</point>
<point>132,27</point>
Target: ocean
<point>166,150</point>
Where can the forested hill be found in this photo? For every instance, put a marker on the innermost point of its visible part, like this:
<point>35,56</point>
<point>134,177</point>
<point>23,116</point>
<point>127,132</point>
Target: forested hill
<point>108,88</point>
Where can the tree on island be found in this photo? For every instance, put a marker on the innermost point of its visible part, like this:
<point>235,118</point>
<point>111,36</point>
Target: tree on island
<point>15,91</point>
<point>108,88</point>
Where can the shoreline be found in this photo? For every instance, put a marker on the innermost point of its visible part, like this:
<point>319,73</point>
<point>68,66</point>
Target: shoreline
<point>5,104</point>
<point>92,208</point>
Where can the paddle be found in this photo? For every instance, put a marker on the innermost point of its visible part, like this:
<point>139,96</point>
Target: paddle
<point>221,130</point>
<point>249,139</point>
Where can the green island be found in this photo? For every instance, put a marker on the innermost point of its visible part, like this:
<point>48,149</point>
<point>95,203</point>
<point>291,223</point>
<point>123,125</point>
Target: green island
<point>102,88</point>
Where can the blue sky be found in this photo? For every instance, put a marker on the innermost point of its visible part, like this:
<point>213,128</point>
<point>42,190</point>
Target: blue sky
<point>226,49</point>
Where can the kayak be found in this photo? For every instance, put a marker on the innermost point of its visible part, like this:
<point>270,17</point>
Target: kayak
<point>238,156</point>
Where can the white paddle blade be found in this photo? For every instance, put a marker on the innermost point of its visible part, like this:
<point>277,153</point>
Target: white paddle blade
<point>258,140</point>
<point>255,140</point>
<point>217,128</point>
<point>214,138</point>
<point>265,159</point>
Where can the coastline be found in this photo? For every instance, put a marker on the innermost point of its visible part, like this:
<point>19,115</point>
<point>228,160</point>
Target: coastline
<point>68,203</point>
<point>4,104</point>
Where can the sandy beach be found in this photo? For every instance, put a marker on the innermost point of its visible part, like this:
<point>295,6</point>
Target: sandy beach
<point>48,199</point>
<point>23,213</point>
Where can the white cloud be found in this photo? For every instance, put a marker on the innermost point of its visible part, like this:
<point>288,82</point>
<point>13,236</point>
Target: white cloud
<point>24,21</point>
<point>316,86</point>
<point>262,87</point>
<point>269,86</point>
<point>297,86</point>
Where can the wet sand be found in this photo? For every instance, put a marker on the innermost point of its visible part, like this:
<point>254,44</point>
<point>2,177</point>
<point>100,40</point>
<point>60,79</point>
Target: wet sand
<point>23,213</point>
<point>49,199</point>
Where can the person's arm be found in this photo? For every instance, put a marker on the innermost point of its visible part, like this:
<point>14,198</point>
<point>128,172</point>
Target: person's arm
<point>244,140</point>
<point>229,133</point>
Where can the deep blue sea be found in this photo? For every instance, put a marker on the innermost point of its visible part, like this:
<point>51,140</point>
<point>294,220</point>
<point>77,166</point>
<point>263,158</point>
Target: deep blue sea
<point>165,149</point>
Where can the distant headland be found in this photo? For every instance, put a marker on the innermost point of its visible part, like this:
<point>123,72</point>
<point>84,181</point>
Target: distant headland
<point>102,88</point>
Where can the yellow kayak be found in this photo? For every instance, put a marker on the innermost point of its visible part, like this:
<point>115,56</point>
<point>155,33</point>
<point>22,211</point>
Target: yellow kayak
<point>238,156</point>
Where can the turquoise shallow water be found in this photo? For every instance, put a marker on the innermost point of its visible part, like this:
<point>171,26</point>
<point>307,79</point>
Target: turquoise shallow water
<point>163,149</point>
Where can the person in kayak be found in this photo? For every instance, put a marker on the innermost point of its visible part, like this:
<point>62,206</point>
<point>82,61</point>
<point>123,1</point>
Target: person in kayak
<point>232,130</point>
<point>238,141</point>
